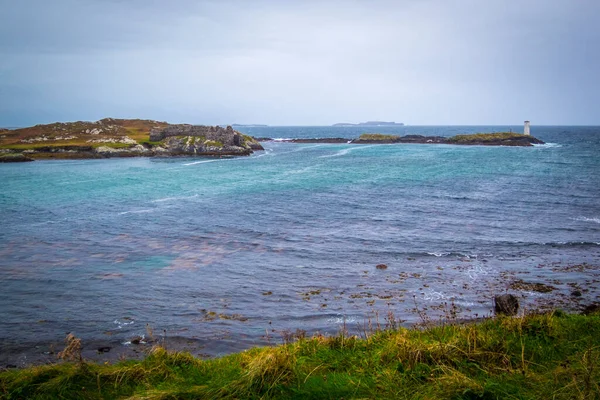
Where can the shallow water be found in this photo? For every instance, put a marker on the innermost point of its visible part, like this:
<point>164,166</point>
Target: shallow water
<point>228,253</point>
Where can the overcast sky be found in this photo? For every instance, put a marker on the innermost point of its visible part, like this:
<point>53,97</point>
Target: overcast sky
<point>278,62</point>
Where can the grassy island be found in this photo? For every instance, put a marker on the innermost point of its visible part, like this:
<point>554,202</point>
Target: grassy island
<point>482,138</point>
<point>378,136</point>
<point>549,356</point>
<point>111,137</point>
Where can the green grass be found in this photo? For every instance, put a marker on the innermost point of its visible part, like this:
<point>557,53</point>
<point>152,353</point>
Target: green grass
<point>485,137</point>
<point>377,136</point>
<point>552,356</point>
<point>213,143</point>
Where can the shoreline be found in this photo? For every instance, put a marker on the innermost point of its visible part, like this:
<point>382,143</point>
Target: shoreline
<point>534,296</point>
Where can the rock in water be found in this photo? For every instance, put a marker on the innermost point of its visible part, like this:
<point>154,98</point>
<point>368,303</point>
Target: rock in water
<point>506,304</point>
<point>381,266</point>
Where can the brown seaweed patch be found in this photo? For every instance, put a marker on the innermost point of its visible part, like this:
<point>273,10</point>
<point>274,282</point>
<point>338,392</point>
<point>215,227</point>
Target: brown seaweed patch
<point>576,268</point>
<point>212,315</point>
<point>531,286</point>
<point>315,292</point>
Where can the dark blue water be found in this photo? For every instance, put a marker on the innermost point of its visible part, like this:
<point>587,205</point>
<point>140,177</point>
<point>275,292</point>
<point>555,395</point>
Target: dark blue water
<point>225,252</point>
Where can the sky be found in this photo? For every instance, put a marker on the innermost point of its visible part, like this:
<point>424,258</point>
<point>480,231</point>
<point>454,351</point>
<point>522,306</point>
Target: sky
<point>278,62</point>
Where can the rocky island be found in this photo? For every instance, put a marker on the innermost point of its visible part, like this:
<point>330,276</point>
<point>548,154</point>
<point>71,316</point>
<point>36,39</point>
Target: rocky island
<point>482,139</point>
<point>122,138</point>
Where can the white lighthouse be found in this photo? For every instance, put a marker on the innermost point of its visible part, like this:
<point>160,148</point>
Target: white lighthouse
<point>526,128</point>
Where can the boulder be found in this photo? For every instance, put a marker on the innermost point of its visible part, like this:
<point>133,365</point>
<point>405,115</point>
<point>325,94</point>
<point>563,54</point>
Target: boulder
<point>506,304</point>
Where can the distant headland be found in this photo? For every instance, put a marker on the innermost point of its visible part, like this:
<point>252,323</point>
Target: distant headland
<point>370,123</point>
<point>111,137</point>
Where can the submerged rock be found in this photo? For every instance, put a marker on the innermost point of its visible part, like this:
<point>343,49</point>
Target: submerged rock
<point>104,349</point>
<point>506,304</point>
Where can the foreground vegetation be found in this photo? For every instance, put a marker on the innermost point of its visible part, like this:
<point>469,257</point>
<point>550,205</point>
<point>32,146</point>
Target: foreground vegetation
<point>551,356</point>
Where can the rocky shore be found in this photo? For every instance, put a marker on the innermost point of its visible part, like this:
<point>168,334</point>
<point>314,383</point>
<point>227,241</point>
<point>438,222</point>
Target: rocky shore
<point>122,138</point>
<point>481,139</point>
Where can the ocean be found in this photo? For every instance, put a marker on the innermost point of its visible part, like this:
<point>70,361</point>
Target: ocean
<point>219,255</point>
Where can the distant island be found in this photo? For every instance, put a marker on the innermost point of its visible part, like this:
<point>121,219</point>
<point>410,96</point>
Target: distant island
<point>111,137</point>
<point>251,125</point>
<point>370,123</point>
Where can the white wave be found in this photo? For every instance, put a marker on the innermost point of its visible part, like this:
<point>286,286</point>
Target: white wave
<point>136,212</point>
<point>476,272</point>
<point>121,324</point>
<point>174,198</point>
<point>338,154</point>
<point>586,219</point>
<point>340,320</point>
<point>547,145</point>
<point>142,340</point>
<point>203,162</point>
<point>265,153</point>
<point>433,295</point>
<point>343,152</point>
<point>439,254</point>
<point>299,171</point>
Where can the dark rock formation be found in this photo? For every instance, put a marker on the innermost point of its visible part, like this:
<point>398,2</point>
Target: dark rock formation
<point>226,136</point>
<point>104,349</point>
<point>381,266</point>
<point>14,157</point>
<point>506,304</point>
<point>591,309</point>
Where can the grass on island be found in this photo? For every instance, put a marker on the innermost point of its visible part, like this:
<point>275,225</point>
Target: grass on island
<point>76,134</point>
<point>485,137</point>
<point>377,136</point>
<point>550,356</point>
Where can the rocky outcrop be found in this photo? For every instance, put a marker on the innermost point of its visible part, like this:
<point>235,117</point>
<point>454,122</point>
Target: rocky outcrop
<point>13,157</point>
<point>506,304</point>
<point>226,136</point>
<point>183,139</point>
<point>123,138</point>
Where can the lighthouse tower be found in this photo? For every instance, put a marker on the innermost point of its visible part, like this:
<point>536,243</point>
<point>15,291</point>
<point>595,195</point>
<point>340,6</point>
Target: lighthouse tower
<point>526,128</point>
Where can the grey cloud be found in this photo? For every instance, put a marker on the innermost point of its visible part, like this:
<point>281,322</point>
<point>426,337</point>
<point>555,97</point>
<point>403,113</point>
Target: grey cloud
<point>310,62</point>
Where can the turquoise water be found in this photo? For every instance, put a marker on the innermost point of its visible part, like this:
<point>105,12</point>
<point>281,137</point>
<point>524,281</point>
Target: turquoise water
<point>289,238</point>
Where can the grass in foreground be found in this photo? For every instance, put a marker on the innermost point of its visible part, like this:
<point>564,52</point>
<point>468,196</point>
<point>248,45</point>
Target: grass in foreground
<point>552,356</point>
